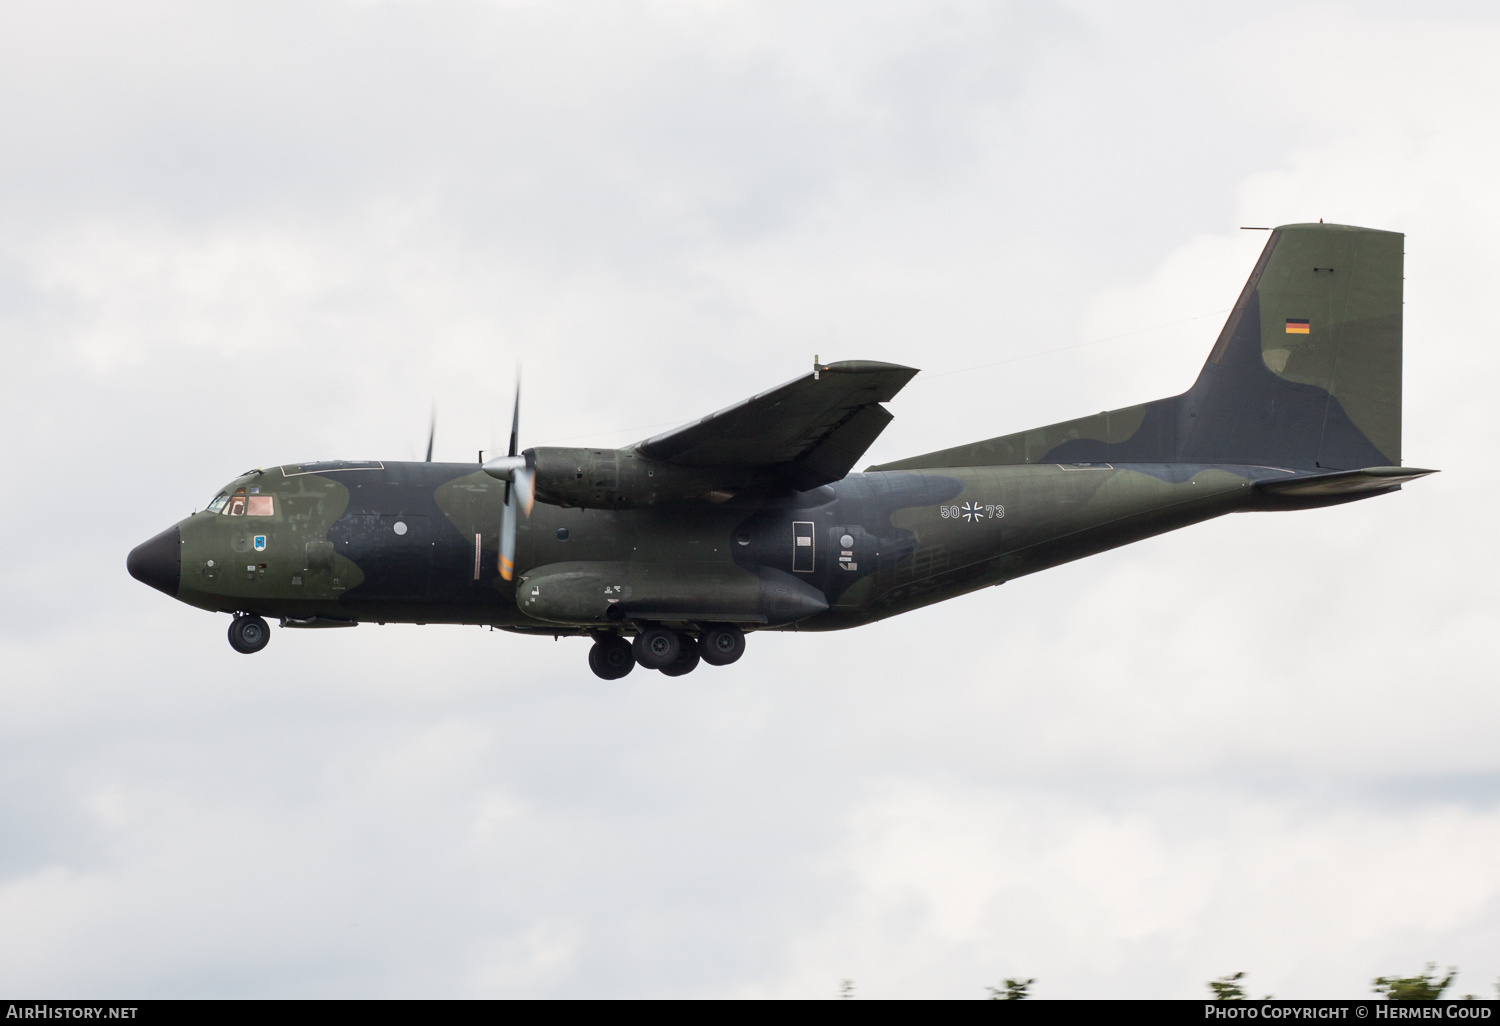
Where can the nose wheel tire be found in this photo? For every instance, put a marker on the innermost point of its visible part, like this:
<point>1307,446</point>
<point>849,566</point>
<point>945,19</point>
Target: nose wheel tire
<point>248,634</point>
<point>611,658</point>
<point>687,658</point>
<point>722,644</point>
<point>657,647</point>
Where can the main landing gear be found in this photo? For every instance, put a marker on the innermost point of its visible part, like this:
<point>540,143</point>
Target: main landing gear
<point>686,661</point>
<point>248,634</point>
<point>611,658</point>
<point>656,648</point>
<point>674,654</point>
<point>722,644</point>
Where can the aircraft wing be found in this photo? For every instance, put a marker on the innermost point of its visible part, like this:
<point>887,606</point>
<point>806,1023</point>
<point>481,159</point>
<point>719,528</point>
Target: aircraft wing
<point>810,431</point>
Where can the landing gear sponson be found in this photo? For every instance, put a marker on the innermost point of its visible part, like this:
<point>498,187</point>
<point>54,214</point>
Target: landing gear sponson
<point>672,652</point>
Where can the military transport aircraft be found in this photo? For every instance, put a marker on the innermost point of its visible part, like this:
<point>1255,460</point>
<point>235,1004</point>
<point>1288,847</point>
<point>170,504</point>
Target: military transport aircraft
<point>668,551</point>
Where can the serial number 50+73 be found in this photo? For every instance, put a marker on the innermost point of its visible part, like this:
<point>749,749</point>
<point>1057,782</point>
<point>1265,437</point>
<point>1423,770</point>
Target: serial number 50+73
<point>972,511</point>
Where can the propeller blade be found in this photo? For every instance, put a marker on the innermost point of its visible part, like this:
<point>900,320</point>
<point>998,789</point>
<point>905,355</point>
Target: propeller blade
<point>520,495</point>
<point>518,480</point>
<point>515,417</point>
<point>508,539</point>
<point>524,489</point>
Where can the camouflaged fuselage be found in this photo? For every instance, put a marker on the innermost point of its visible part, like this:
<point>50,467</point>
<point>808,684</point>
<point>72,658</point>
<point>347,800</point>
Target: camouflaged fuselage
<point>331,547</point>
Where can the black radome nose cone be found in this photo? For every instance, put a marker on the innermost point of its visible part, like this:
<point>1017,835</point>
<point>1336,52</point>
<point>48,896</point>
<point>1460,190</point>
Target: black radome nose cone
<point>158,562</point>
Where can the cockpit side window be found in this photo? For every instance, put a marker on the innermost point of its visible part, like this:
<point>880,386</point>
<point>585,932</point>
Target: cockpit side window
<point>236,507</point>
<point>260,506</point>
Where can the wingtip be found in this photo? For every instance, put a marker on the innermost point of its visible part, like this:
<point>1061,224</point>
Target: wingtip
<point>865,367</point>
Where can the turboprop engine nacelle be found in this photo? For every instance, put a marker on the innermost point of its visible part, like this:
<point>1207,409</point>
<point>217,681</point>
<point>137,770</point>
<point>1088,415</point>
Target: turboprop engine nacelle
<point>612,478</point>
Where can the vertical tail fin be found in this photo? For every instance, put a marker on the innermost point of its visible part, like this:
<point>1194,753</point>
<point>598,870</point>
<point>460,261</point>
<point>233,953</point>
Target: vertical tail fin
<point>1307,370</point>
<point>1305,374</point>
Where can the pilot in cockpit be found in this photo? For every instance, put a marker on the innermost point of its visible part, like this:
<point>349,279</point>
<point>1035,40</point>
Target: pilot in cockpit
<point>241,505</point>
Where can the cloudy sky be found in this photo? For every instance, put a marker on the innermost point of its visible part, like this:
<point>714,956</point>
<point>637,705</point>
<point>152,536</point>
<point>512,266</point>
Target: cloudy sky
<point>240,234</point>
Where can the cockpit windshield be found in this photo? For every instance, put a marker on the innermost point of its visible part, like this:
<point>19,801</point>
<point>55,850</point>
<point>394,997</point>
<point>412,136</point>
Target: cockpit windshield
<point>239,503</point>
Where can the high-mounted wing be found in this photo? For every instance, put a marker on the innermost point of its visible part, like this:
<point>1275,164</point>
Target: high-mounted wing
<point>810,431</point>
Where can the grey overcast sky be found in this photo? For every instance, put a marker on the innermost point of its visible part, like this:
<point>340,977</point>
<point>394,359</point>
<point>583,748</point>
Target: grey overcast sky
<point>239,234</point>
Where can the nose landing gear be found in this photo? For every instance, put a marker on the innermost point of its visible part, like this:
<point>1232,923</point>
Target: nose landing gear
<point>248,634</point>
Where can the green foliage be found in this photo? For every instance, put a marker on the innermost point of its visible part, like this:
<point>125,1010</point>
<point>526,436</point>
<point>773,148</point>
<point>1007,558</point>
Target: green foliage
<point>1227,988</point>
<point>846,990</point>
<point>1014,990</point>
<point>1425,987</point>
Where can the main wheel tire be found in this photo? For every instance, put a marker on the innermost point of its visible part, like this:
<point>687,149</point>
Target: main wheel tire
<point>722,644</point>
<point>687,658</point>
<point>248,634</point>
<point>611,658</point>
<point>656,647</point>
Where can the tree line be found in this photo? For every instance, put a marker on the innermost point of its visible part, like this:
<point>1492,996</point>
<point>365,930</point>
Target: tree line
<point>1425,986</point>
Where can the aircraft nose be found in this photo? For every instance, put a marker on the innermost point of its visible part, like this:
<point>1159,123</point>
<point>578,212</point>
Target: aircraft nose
<point>158,562</point>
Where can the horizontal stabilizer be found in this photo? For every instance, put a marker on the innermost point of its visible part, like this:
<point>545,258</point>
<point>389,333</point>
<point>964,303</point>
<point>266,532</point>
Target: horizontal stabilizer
<point>1310,491</point>
<point>1344,483</point>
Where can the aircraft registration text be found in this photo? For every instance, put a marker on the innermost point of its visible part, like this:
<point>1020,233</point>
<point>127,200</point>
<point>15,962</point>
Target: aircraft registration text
<point>972,511</point>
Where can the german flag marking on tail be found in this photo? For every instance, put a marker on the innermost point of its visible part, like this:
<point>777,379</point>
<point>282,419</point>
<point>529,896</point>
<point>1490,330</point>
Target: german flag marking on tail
<point>1296,326</point>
